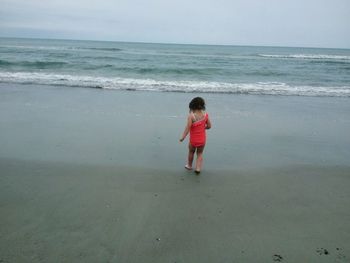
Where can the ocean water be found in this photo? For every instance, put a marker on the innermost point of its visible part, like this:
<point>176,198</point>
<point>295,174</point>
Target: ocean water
<point>176,68</point>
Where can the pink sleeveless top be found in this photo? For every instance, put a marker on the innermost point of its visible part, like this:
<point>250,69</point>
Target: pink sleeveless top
<point>197,132</point>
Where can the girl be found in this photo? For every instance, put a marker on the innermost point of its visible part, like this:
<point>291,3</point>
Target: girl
<point>197,122</point>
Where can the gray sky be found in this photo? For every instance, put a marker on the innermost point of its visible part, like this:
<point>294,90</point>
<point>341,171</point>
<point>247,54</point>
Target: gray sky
<point>315,23</point>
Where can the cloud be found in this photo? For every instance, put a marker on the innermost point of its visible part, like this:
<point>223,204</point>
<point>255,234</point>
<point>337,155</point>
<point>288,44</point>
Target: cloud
<point>250,22</point>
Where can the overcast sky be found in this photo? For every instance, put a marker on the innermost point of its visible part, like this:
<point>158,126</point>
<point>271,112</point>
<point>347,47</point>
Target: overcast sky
<point>315,23</point>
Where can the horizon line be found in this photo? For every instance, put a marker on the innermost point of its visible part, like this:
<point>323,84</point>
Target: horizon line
<point>172,43</point>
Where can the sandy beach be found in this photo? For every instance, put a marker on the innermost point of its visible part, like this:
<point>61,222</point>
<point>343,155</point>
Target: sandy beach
<point>97,176</point>
<point>65,213</point>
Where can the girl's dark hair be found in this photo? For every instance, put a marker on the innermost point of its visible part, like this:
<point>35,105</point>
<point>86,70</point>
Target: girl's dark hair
<point>197,103</point>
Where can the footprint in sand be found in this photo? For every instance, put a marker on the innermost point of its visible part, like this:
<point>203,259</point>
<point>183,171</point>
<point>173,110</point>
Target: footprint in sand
<point>277,258</point>
<point>322,251</point>
<point>340,256</point>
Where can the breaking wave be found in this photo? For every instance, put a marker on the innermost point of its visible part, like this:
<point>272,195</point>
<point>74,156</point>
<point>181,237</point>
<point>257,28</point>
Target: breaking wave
<point>116,83</point>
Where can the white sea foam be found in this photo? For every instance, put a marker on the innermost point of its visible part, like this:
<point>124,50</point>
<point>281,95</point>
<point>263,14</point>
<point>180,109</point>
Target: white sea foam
<point>307,56</point>
<point>115,83</point>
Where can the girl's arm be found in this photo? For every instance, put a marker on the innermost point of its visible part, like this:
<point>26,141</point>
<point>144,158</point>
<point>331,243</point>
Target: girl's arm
<point>187,128</point>
<point>208,125</point>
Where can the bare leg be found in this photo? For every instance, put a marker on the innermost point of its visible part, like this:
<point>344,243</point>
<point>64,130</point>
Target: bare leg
<point>199,160</point>
<point>191,151</point>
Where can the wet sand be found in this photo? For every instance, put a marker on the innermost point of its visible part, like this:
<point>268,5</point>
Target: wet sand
<point>82,213</point>
<point>88,175</point>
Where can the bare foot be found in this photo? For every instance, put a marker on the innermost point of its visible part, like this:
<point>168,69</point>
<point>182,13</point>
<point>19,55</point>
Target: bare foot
<point>188,167</point>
